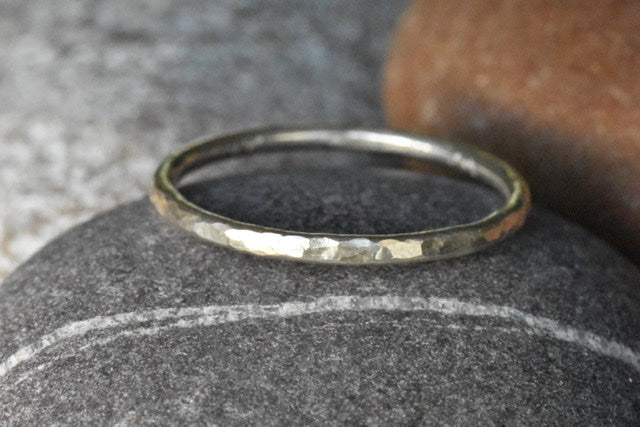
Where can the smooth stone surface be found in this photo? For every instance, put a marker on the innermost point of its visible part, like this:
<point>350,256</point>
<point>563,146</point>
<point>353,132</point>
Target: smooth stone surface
<point>95,93</point>
<point>126,319</point>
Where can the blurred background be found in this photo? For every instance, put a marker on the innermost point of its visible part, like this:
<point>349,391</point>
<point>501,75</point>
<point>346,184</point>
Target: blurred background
<point>94,93</point>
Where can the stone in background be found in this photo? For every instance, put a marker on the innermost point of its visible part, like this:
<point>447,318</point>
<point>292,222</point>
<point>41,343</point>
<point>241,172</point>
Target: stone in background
<point>94,93</point>
<point>550,86</point>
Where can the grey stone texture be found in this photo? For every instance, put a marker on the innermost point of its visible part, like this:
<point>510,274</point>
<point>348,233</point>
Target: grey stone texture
<point>128,320</point>
<point>93,93</point>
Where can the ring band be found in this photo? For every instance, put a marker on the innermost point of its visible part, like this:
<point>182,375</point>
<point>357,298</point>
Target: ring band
<point>330,248</point>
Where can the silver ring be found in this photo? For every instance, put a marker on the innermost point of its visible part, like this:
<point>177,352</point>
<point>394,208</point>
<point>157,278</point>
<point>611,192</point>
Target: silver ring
<point>423,245</point>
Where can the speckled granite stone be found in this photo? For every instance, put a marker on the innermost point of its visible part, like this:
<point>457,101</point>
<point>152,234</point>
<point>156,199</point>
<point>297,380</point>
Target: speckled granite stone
<point>93,93</point>
<point>127,320</point>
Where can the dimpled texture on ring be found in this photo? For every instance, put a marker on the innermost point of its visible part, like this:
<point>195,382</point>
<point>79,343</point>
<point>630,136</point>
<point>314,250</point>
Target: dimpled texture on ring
<point>344,248</point>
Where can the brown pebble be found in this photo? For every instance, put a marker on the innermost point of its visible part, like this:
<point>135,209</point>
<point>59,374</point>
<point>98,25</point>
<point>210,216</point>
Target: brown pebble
<point>551,86</point>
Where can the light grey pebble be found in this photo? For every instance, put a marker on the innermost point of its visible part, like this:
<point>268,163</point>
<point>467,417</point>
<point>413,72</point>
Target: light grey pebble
<point>93,93</point>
